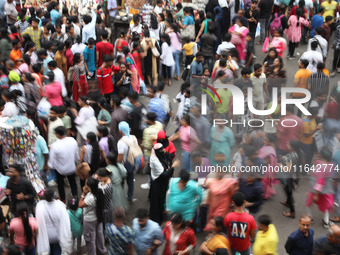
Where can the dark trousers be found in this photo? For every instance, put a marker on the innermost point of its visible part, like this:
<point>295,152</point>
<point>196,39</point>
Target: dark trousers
<point>130,179</point>
<point>55,249</point>
<point>289,193</point>
<point>292,47</point>
<point>336,62</point>
<point>166,71</point>
<point>61,189</point>
<point>188,60</point>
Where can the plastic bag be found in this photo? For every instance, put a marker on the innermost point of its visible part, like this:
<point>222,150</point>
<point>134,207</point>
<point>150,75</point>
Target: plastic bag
<point>43,108</point>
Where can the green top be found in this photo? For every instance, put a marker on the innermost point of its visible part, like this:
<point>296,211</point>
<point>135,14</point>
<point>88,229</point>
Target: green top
<point>105,116</point>
<point>66,121</point>
<point>75,219</point>
<point>225,95</point>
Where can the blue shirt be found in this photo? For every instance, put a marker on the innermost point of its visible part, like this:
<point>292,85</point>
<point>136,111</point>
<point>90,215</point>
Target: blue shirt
<point>89,30</point>
<point>144,238</point>
<point>317,22</point>
<point>54,16</point>
<point>119,239</point>
<point>188,20</point>
<point>156,105</point>
<point>46,61</point>
<point>298,244</point>
<point>41,149</point>
<point>323,246</point>
<point>90,58</point>
<point>196,69</point>
<point>253,193</point>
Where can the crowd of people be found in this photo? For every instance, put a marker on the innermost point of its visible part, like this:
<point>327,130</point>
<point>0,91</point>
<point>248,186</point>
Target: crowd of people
<point>85,94</point>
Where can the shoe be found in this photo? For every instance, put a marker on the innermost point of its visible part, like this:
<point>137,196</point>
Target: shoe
<point>52,183</point>
<point>327,225</point>
<point>288,214</point>
<point>133,200</point>
<point>336,204</point>
<point>332,74</point>
<point>291,57</point>
<point>338,70</point>
<point>145,186</point>
<point>254,57</point>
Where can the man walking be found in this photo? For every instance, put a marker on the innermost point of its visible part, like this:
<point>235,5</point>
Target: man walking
<point>265,8</point>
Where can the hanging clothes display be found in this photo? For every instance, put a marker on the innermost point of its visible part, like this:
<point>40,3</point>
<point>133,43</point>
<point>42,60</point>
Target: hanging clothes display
<point>18,135</point>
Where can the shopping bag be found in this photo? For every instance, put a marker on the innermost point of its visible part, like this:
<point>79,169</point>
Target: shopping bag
<point>265,45</point>
<point>258,30</point>
<point>43,108</point>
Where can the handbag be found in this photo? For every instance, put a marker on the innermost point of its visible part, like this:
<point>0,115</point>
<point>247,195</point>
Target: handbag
<point>265,45</point>
<point>188,32</point>
<point>220,157</point>
<point>185,73</point>
<point>235,39</point>
<point>155,52</point>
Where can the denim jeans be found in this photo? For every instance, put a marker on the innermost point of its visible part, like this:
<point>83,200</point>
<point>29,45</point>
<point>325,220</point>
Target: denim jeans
<point>130,179</point>
<point>186,160</point>
<point>176,58</point>
<point>264,29</point>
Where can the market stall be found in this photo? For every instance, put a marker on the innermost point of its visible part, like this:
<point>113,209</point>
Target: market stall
<point>18,135</point>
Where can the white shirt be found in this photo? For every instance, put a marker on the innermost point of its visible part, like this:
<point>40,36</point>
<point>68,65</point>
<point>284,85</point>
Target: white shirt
<point>10,110</point>
<point>59,76</point>
<point>10,10</point>
<point>51,133</point>
<point>89,30</point>
<point>223,3</point>
<point>167,57</point>
<point>322,42</point>
<point>314,59</point>
<point>78,48</point>
<point>112,4</point>
<point>84,114</point>
<point>64,155</point>
<point>138,29</point>
<point>158,9</point>
<point>224,46</point>
<point>18,87</point>
<point>90,212</point>
<point>123,147</point>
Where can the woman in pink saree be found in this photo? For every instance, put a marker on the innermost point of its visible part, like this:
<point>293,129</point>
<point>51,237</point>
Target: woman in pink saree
<point>238,38</point>
<point>268,154</point>
<point>221,188</point>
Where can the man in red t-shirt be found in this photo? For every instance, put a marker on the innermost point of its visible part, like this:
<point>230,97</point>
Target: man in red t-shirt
<point>104,77</point>
<point>240,225</point>
<point>103,48</point>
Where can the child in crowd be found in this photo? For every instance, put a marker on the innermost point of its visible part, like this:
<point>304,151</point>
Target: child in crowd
<point>76,217</point>
<point>188,48</point>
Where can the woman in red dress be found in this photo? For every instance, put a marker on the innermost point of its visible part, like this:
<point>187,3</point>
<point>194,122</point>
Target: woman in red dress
<point>137,55</point>
<point>80,87</point>
<point>179,238</point>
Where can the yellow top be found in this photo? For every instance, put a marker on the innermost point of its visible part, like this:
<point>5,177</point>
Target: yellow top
<point>329,8</point>
<point>308,126</point>
<point>188,48</point>
<point>217,241</point>
<point>266,243</point>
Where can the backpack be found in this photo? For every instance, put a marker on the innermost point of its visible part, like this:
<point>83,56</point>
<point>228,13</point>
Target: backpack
<point>276,24</point>
<point>135,154</point>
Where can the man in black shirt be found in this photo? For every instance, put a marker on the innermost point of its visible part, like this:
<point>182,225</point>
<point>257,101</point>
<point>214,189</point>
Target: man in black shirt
<point>240,15</point>
<point>137,117</point>
<point>265,9</point>
<point>18,188</point>
<point>252,16</point>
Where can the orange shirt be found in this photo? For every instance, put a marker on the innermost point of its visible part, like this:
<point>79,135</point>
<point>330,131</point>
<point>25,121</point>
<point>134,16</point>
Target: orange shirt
<point>301,81</point>
<point>15,55</point>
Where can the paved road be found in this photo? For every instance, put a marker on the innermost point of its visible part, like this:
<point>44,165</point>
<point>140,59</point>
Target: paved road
<point>272,207</point>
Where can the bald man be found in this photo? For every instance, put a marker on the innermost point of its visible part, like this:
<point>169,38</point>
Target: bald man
<point>328,244</point>
<point>301,241</point>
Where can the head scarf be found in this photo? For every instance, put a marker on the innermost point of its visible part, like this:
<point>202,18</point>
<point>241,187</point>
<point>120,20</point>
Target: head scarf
<point>124,128</point>
<point>13,76</point>
<point>158,161</point>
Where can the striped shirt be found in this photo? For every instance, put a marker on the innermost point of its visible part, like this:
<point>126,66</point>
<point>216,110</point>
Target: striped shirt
<point>318,82</point>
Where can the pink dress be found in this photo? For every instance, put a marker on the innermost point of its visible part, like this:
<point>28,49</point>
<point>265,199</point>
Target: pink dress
<point>240,47</point>
<point>269,177</point>
<point>322,181</point>
<point>220,193</point>
<point>53,93</point>
<point>294,32</point>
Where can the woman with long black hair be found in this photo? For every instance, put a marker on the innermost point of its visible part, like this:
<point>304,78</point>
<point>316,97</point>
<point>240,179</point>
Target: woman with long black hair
<point>106,143</point>
<point>90,152</point>
<point>167,59</point>
<point>294,158</point>
<point>24,229</point>
<point>92,202</point>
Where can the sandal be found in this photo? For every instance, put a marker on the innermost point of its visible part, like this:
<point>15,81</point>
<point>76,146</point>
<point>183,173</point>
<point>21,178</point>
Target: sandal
<point>335,219</point>
<point>284,203</point>
<point>288,214</point>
